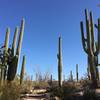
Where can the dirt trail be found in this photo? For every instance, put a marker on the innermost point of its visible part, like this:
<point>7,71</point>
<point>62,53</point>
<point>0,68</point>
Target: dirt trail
<point>36,96</point>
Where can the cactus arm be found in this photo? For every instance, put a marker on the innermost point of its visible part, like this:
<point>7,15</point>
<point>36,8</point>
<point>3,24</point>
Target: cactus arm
<point>20,38</point>
<point>88,38</point>
<point>22,69</point>
<point>98,42</point>
<point>92,30</point>
<point>7,39</point>
<point>14,41</point>
<point>83,38</point>
<point>86,15</point>
<point>88,33</point>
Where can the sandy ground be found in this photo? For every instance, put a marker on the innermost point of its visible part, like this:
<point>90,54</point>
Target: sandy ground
<point>44,96</point>
<point>36,96</point>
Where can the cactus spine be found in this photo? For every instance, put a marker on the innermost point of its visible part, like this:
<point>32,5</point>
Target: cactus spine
<point>59,56</point>
<point>22,70</point>
<point>91,47</point>
<point>77,72</point>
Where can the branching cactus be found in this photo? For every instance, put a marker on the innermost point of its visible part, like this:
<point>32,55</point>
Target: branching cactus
<point>22,70</point>
<point>91,47</point>
<point>59,56</point>
<point>77,72</point>
<point>14,57</point>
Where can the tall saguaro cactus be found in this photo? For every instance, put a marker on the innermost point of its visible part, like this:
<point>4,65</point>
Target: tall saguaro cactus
<point>77,72</point>
<point>22,70</point>
<point>13,59</point>
<point>91,47</point>
<point>59,56</point>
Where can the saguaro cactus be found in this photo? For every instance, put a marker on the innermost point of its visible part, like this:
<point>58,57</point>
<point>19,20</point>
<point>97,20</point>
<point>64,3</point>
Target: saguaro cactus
<point>51,80</point>
<point>59,56</point>
<point>71,76</point>
<point>91,47</point>
<point>77,72</point>
<point>22,70</point>
<point>13,59</point>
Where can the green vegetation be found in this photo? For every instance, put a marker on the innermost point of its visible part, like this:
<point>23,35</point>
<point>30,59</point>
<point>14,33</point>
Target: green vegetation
<point>12,86</point>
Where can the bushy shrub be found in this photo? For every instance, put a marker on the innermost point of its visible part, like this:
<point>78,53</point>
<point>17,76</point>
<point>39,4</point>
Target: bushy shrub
<point>39,85</point>
<point>89,94</point>
<point>26,86</point>
<point>86,84</point>
<point>13,91</point>
<point>10,92</point>
<point>65,92</point>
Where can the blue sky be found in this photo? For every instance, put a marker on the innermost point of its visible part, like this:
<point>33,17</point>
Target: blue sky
<point>44,20</point>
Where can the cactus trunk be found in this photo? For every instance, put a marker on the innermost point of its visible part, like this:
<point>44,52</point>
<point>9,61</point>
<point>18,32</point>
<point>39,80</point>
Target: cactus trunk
<point>88,70</point>
<point>22,70</point>
<point>77,72</point>
<point>71,76</point>
<point>60,62</point>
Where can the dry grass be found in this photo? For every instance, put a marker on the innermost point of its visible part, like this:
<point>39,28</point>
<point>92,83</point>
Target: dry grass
<point>10,92</point>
